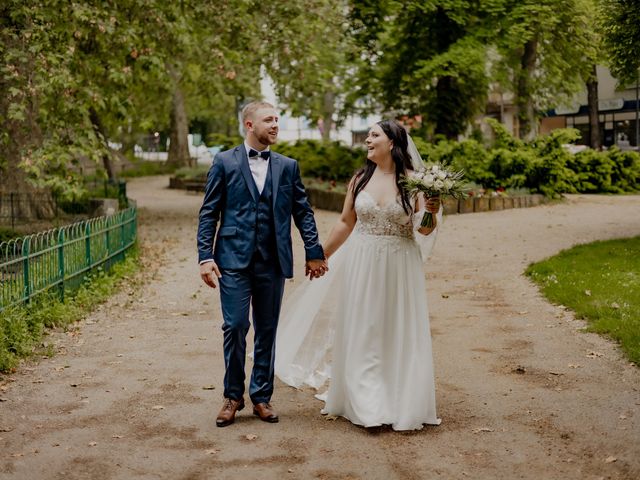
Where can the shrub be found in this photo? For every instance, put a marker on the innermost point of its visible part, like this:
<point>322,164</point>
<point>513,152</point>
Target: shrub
<point>593,171</point>
<point>225,142</point>
<point>626,169</point>
<point>145,168</point>
<point>7,234</point>
<point>198,172</point>
<point>329,161</point>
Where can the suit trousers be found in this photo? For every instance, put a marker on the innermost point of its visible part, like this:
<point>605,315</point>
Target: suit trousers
<point>260,285</point>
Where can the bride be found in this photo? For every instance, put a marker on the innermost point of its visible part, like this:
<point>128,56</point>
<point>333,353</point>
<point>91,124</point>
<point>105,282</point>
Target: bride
<point>366,321</point>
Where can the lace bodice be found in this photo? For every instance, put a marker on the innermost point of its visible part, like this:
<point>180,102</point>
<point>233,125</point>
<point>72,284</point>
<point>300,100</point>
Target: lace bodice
<point>388,220</point>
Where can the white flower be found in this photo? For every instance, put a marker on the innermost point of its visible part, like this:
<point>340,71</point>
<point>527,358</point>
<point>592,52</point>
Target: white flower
<point>435,168</point>
<point>428,180</point>
<point>442,174</point>
<point>438,184</point>
<point>448,183</point>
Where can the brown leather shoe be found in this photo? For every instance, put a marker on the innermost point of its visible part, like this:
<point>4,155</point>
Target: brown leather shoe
<point>227,414</point>
<point>266,412</point>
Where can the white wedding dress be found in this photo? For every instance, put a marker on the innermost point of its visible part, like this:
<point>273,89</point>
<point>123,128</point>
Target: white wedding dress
<point>365,326</point>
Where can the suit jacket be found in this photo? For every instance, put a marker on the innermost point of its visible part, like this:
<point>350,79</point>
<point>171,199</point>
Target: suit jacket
<point>231,199</point>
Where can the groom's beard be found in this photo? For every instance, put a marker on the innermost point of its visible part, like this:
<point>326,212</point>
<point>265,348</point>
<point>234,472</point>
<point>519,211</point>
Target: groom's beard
<point>267,137</point>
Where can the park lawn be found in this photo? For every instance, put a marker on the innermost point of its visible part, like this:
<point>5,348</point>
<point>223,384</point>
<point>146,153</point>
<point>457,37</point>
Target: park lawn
<point>600,282</point>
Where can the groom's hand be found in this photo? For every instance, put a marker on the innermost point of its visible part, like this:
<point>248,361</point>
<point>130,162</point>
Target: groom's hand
<point>316,268</point>
<point>209,272</point>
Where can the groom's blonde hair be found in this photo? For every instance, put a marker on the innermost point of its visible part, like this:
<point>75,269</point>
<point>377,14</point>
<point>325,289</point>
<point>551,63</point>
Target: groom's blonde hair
<point>251,108</point>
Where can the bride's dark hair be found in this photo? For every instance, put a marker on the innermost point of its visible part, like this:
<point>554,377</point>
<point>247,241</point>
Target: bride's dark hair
<point>401,159</point>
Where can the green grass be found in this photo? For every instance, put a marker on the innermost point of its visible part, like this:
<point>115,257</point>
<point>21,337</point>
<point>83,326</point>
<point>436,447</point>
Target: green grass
<point>600,281</point>
<point>23,328</point>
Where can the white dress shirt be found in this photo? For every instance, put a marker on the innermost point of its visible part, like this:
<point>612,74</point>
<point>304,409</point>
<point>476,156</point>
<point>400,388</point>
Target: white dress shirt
<point>259,168</point>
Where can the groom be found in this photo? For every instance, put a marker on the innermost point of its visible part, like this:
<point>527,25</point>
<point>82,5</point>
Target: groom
<point>253,193</point>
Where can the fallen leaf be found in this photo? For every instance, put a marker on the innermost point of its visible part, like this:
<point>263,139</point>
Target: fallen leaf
<point>208,387</point>
<point>92,444</point>
<point>290,470</point>
<point>157,407</point>
<point>251,436</point>
<point>571,365</point>
<point>556,373</point>
<point>6,429</point>
<point>615,305</point>
<point>610,459</point>
<point>587,293</point>
<point>116,436</point>
<point>445,296</point>
<point>520,369</point>
<point>211,451</point>
<point>523,312</point>
<point>16,455</point>
<point>331,417</point>
<point>594,354</point>
<point>622,417</point>
<point>74,384</point>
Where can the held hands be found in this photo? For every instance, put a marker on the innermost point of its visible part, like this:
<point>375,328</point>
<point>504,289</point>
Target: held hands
<point>209,272</point>
<point>316,268</point>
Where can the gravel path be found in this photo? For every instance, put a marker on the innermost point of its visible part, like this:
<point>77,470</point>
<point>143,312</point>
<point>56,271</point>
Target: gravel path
<point>134,389</point>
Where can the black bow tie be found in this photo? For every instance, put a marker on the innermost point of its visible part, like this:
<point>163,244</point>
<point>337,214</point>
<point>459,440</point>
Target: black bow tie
<point>264,154</point>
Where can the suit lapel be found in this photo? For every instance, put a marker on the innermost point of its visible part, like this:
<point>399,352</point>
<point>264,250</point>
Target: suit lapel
<point>276,170</point>
<point>243,161</point>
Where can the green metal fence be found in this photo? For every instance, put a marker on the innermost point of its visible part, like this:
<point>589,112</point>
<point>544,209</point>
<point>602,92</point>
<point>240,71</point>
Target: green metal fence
<point>61,258</point>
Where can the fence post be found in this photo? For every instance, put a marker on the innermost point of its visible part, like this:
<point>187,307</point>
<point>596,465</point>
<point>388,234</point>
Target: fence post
<point>26,244</point>
<point>61,263</point>
<point>122,239</point>
<point>122,192</point>
<point>87,243</point>
<point>13,220</point>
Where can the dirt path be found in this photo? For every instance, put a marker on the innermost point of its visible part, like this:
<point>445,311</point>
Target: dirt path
<point>129,393</point>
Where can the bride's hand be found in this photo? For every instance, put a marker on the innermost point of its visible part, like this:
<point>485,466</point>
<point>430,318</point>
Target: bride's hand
<point>432,204</point>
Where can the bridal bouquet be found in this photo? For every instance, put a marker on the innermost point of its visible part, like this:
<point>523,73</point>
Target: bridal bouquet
<point>436,180</point>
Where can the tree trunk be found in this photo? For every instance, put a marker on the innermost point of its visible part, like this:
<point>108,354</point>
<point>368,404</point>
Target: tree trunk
<point>178,136</point>
<point>24,202</point>
<point>594,122</point>
<point>526,110</point>
<point>446,108</point>
<point>328,107</point>
<point>106,156</point>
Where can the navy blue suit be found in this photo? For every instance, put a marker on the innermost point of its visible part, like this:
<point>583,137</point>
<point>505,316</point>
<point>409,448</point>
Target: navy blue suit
<point>254,253</point>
